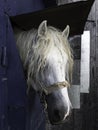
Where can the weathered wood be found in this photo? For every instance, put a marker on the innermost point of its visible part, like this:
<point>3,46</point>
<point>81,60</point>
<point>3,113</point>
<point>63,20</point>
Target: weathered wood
<point>96,70</point>
<point>76,73</point>
<point>88,104</point>
<point>74,95</point>
<point>85,62</point>
<point>61,2</point>
<point>75,43</point>
<point>86,117</point>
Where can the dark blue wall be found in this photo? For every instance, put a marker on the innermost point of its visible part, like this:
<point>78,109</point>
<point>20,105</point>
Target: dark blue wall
<point>15,7</point>
<point>13,99</point>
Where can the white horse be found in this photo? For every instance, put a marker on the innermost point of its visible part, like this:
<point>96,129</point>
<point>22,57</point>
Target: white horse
<point>47,60</point>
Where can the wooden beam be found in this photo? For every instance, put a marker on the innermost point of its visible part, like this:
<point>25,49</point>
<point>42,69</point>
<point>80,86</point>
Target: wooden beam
<point>58,16</point>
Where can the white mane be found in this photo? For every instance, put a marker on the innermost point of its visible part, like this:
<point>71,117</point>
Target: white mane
<point>34,50</point>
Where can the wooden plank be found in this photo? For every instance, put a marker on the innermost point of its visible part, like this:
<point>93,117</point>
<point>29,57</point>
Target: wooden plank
<point>88,105</point>
<point>96,19</point>
<point>61,2</point>
<point>85,62</point>
<point>76,73</point>
<point>84,119</point>
<point>96,49</point>
<point>75,43</point>
<point>96,70</point>
<point>68,14</point>
<point>74,95</point>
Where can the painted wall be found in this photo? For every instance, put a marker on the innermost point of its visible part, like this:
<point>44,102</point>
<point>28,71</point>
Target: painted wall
<point>13,86</point>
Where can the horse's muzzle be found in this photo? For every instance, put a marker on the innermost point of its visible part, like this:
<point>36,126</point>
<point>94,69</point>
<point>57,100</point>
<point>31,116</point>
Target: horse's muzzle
<point>58,112</point>
<point>58,116</point>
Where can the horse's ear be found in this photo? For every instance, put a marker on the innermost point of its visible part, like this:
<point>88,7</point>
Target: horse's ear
<point>42,29</point>
<point>66,31</point>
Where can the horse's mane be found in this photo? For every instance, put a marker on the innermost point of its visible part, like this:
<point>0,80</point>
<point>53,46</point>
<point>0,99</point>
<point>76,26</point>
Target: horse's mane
<point>34,50</point>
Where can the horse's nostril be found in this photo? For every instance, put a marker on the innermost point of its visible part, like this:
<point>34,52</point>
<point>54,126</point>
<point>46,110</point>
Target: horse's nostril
<point>58,115</point>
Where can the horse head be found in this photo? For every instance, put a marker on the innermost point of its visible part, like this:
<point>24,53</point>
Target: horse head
<point>49,67</point>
